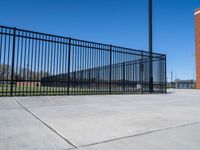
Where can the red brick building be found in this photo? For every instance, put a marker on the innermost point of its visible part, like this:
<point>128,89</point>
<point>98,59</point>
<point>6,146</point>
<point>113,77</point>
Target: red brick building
<point>197,41</point>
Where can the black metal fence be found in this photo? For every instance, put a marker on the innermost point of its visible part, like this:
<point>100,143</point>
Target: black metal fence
<point>33,63</point>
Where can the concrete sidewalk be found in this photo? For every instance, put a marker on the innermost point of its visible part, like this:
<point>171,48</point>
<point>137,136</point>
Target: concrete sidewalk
<point>112,122</point>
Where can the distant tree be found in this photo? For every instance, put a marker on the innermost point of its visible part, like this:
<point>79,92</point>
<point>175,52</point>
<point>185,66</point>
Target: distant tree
<point>5,71</point>
<point>22,73</point>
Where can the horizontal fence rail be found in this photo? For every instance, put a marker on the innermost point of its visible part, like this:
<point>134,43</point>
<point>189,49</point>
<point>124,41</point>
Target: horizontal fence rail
<point>33,63</point>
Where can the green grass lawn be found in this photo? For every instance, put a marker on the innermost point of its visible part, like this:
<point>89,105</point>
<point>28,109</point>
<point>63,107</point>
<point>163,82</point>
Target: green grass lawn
<point>47,90</point>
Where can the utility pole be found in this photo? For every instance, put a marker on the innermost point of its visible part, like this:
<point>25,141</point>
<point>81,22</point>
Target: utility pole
<point>150,47</point>
<point>171,77</point>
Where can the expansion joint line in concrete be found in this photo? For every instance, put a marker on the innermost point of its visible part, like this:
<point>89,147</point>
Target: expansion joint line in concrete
<point>140,134</point>
<point>48,126</point>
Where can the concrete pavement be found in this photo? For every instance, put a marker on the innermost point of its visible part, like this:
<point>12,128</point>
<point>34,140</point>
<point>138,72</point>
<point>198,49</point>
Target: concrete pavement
<point>111,122</point>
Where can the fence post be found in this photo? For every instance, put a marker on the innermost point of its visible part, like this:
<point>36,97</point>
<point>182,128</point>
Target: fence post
<point>124,76</point>
<point>142,71</point>
<point>110,89</point>
<point>98,78</point>
<point>68,72</point>
<point>165,74</point>
<point>133,76</point>
<point>89,75</point>
<point>13,62</point>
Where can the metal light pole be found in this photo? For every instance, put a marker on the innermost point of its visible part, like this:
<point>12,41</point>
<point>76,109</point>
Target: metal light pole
<point>150,48</point>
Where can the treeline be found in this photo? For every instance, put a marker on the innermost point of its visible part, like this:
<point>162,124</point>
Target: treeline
<point>20,73</point>
<point>184,81</point>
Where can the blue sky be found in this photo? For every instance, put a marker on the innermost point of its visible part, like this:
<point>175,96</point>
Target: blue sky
<point>117,22</point>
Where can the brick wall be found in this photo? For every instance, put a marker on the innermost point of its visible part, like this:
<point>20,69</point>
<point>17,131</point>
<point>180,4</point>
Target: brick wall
<point>197,41</point>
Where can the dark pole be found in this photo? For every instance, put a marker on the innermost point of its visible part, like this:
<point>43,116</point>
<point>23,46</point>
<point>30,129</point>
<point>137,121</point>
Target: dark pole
<point>165,74</point>
<point>68,77</point>
<point>150,48</point>
<point>110,78</point>
<point>13,62</point>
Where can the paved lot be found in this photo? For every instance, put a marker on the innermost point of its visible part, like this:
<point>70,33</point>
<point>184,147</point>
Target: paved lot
<point>126,122</point>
